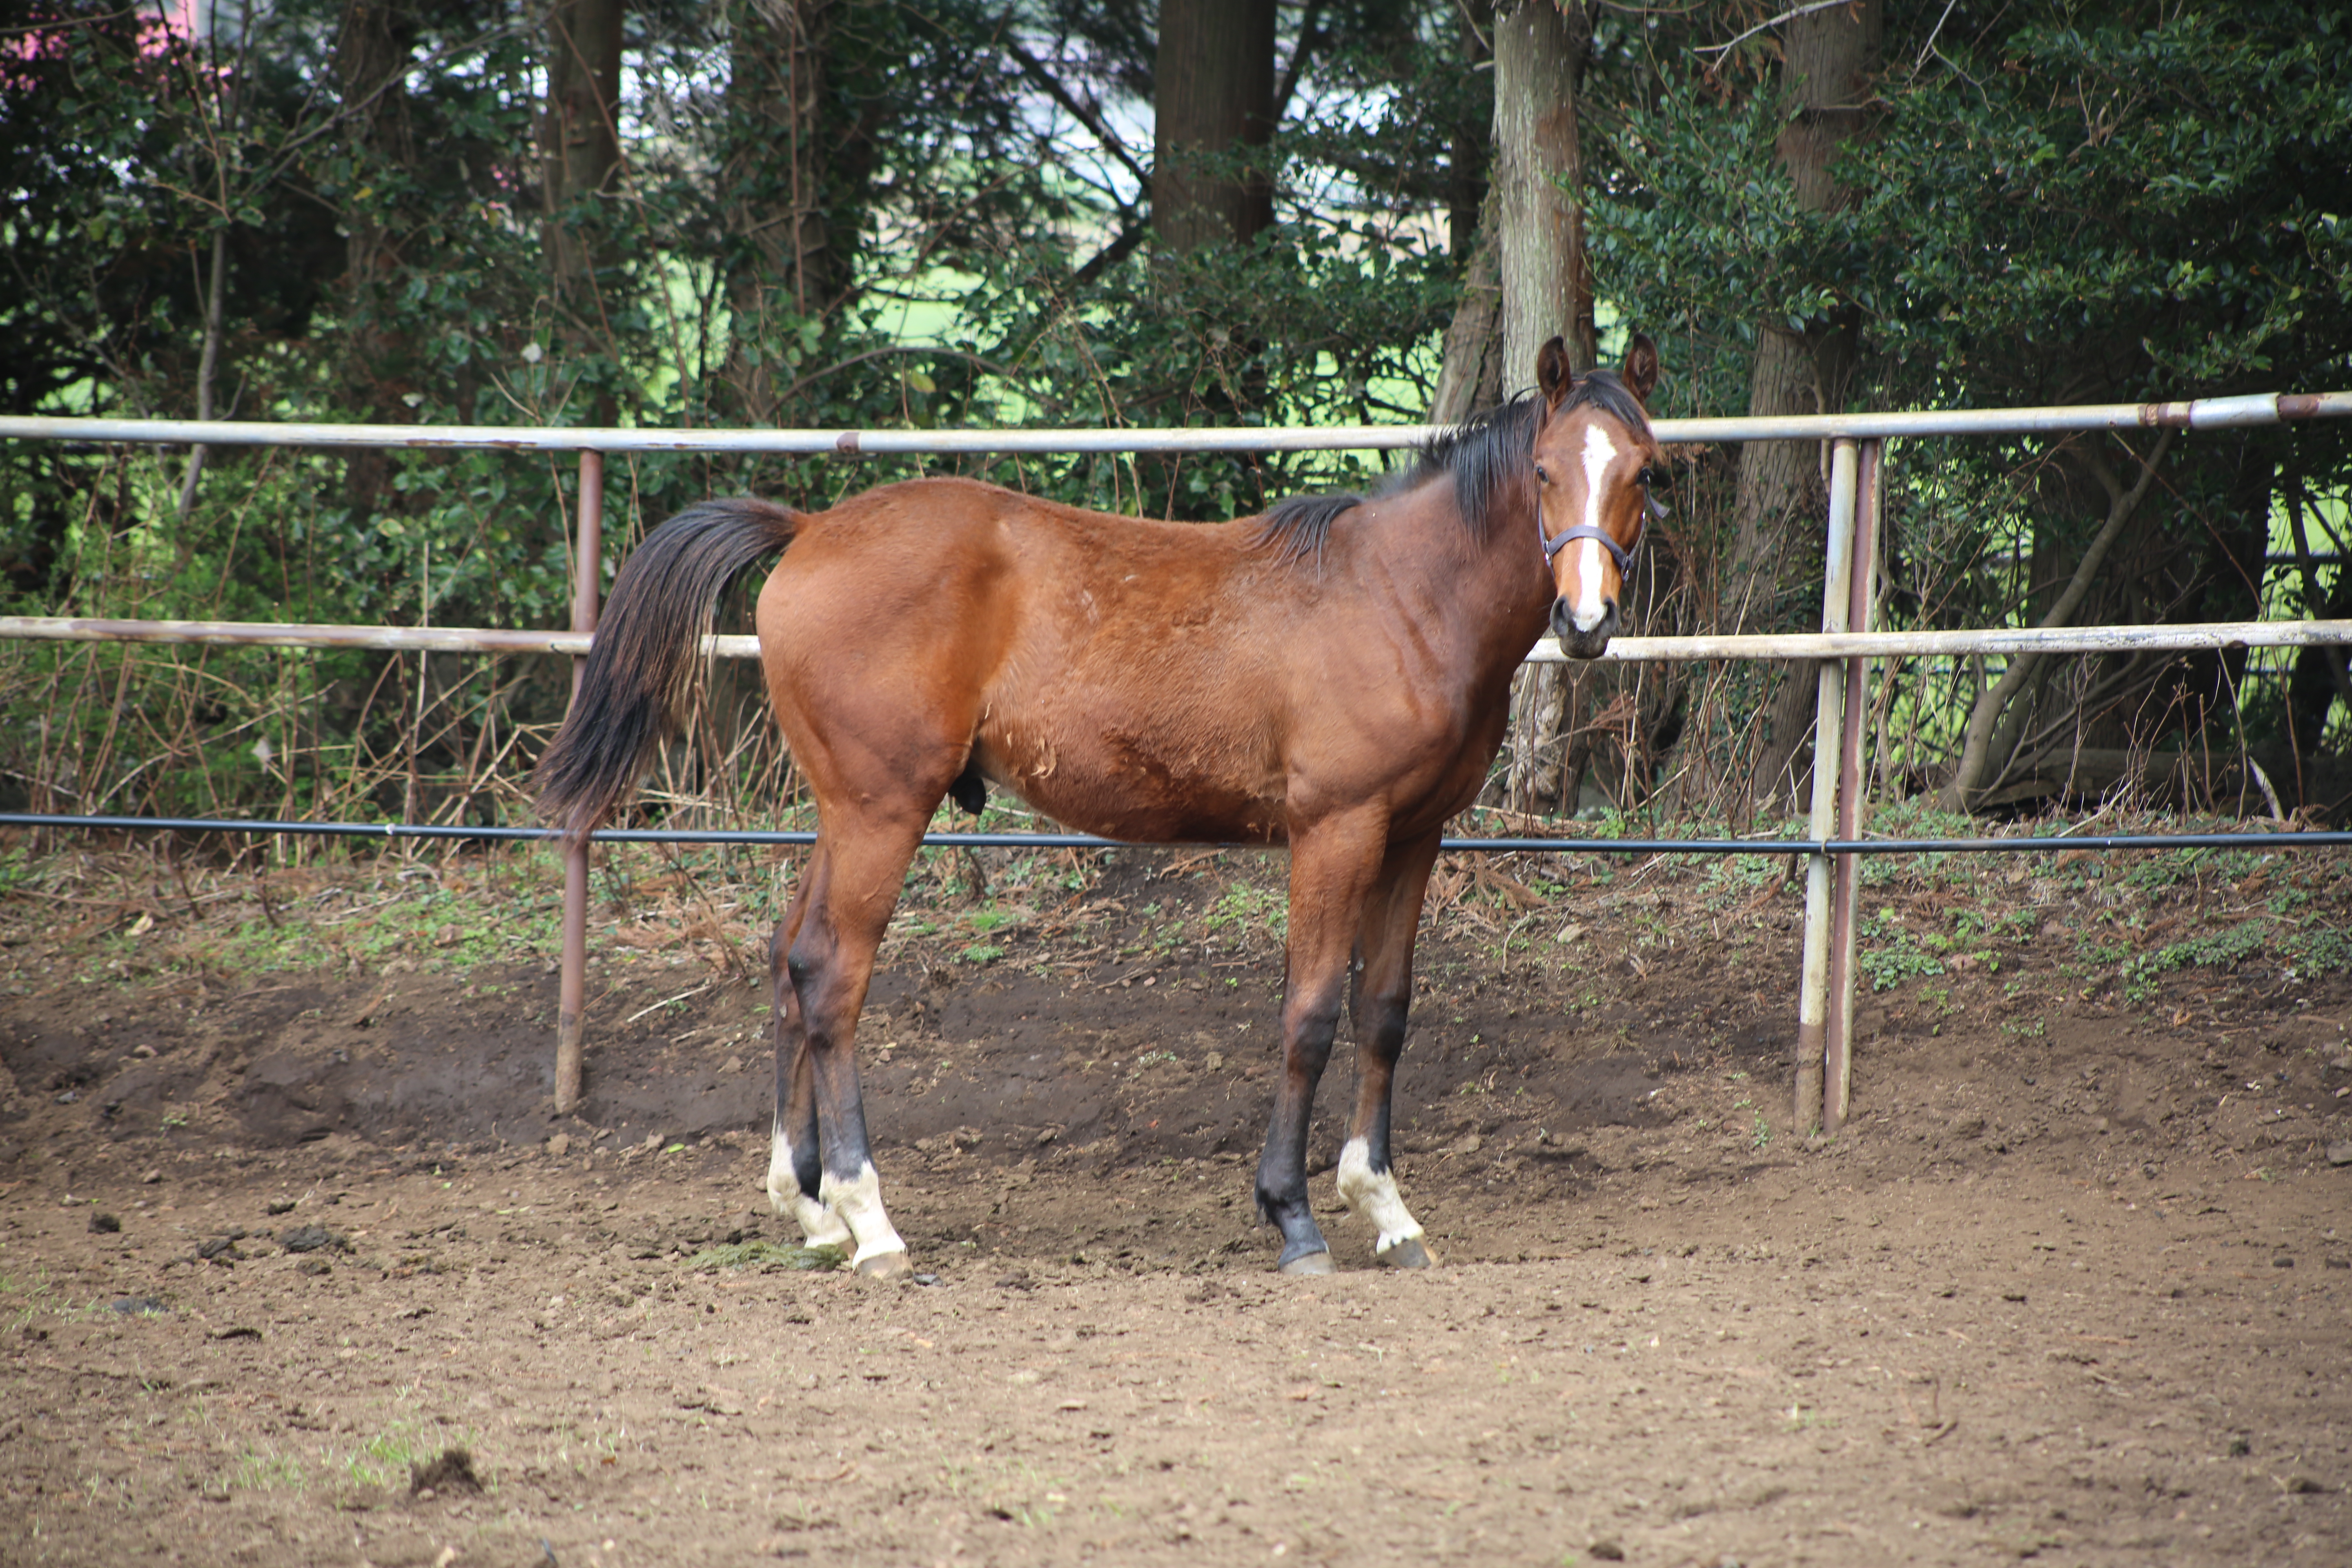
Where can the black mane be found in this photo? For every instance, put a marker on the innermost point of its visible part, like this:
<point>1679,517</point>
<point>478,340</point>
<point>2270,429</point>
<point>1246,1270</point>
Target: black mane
<point>1482,453</point>
<point>1295,529</point>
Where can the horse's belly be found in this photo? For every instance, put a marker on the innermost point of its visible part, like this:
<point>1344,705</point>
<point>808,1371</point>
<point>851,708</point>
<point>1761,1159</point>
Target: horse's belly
<point>1120,787</point>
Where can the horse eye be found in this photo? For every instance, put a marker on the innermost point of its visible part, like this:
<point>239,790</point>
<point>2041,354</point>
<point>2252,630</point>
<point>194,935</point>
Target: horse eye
<point>1647,478</point>
<point>1543,475</point>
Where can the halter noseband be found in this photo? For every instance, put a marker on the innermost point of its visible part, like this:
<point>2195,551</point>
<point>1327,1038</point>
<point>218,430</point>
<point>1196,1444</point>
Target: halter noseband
<point>1652,507</point>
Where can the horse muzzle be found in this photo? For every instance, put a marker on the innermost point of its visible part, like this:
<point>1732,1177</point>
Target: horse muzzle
<point>1587,643</point>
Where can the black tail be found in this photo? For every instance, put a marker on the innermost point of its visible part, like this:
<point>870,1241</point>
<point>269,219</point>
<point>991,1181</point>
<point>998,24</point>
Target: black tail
<point>646,666</point>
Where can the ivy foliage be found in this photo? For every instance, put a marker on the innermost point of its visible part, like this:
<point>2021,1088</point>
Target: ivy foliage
<point>2111,202</point>
<point>2074,200</point>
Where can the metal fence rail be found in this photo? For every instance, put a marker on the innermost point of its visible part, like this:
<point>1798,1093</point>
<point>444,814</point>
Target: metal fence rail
<point>2200,414</point>
<point>458,831</point>
<point>2180,637</point>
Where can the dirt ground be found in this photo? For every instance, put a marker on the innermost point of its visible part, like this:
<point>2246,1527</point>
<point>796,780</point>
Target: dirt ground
<point>298,1268</point>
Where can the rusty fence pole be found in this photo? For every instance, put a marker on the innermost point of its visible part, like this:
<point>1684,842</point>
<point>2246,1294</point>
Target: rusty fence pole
<point>572,989</point>
<point>1829,708</point>
<point>1845,890</point>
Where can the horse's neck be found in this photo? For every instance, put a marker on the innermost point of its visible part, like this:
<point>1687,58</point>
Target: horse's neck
<point>1511,557</point>
<point>1488,585</point>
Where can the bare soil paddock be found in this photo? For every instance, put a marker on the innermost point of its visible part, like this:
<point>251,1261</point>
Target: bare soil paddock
<point>2071,1285</point>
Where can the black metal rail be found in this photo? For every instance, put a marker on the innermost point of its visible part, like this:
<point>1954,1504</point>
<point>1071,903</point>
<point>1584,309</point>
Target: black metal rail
<point>1995,845</point>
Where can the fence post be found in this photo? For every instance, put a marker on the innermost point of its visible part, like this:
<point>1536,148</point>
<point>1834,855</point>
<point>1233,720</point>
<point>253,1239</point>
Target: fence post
<point>572,992</point>
<point>1837,1089</point>
<point>1813,982</point>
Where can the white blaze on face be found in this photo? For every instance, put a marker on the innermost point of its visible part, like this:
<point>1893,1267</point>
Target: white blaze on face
<point>1589,609</point>
<point>819,1226</point>
<point>1375,1197</point>
<point>858,1201</point>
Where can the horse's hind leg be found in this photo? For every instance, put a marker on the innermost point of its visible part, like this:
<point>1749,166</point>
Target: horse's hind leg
<point>829,962</point>
<point>1382,993</point>
<point>795,1175</point>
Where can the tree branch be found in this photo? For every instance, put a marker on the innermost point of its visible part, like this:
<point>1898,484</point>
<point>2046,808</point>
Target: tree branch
<point>1299,55</point>
<point>1770,22</point>
<point>1035,69</point>
<point>1110,254</point>
<point>2333,657</point>
<point>1976,745</point>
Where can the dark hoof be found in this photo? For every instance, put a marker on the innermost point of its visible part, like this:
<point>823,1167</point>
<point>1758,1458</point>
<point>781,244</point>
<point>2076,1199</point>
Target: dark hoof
<point>1311,1263</point>
<point>1407,1254</point>
<point>886,1266</point>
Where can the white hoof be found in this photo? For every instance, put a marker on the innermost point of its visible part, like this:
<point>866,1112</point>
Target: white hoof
<point>887,1263</point>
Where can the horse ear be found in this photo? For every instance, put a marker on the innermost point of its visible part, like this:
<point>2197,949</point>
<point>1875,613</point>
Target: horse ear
<point>1553,376</point>
<point>1640,373</point>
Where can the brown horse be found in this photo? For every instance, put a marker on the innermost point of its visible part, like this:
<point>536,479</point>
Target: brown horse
<point>1331,675</point>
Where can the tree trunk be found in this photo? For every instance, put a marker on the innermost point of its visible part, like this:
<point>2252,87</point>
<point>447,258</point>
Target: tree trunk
<point>1468,219</point>
<point>1214,103</point>
<point>372,56</point>
<point>1829,58</point>
<point>207,368</point>
<point>1470,372</point>
<point>581,143</point>
<point>783,267</point>
<point>1539,172</point>
<point>1546,289</point>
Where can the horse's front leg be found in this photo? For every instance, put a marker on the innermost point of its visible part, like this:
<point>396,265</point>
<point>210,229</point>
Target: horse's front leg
<point>1381,996</point>
<point>1332,866</point>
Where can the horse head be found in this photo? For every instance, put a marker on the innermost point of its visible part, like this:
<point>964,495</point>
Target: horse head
<point>1596,463</point>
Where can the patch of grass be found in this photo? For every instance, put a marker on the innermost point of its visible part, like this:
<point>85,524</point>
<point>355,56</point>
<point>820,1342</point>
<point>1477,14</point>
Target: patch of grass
<point>381,1461</point>
<point>1256,910</point>
<point>2102,953</point>
<point>28,1297</point>
<point>388,1457</point>
<point>1736,878</point>
<point>1887,954</point>
<point>2217,950</point>
<point>2319,948</point>
<point>768,1254</point>
<point>264,1470</point>
<point>576,1450</point>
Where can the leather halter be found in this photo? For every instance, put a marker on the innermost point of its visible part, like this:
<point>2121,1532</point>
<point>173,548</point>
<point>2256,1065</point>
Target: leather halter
<point>1621,554</point>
